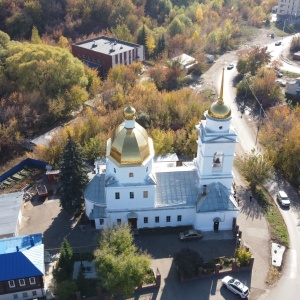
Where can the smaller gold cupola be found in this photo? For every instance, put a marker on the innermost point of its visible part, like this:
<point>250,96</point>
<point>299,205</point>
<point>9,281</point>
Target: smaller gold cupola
<point>129,113</point>
<point>218,109</point>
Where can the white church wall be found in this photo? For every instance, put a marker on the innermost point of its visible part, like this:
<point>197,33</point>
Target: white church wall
<point>205,221</point>
<point>139,200</point>
<point>157,218</point>
<point>130,174</point>
<point>88,207</point>
<point>217,125</point>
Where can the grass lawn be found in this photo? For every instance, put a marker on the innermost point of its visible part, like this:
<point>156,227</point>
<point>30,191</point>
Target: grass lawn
<point>278,230</point>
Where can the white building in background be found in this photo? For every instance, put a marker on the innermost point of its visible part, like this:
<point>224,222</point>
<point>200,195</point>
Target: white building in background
<point>131,186</point>
<point>288,9</point>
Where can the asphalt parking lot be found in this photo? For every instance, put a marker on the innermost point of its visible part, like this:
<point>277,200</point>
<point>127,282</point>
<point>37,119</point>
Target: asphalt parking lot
<point>55,224</point>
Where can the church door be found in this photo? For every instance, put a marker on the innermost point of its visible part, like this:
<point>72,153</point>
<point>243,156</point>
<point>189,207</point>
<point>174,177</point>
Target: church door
<point>216,226</point>
<point>132,222</point>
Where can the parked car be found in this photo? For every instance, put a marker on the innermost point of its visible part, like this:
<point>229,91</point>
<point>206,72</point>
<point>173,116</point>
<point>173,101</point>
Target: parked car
<point>278,43</point>
<point>278,74</point>
<point>236,286</point>
<point>190,234</point>
<point>272,36</point>
<point>283,199</point>
<point>230,66</point>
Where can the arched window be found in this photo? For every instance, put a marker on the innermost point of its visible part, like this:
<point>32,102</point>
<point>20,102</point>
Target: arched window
<point>130,174</point>
<point>217,161</point>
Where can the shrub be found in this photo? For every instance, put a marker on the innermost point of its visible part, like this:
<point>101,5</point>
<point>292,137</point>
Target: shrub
<point>243,256</point>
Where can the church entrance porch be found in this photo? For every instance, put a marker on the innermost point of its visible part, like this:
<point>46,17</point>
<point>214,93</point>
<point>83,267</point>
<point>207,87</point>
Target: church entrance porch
<point>132,219</point>
<point>132,222</point>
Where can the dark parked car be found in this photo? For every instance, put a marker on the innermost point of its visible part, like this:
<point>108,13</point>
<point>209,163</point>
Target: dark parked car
<point>230,66</point>
<point>278,43</point>
<point>190,234</point>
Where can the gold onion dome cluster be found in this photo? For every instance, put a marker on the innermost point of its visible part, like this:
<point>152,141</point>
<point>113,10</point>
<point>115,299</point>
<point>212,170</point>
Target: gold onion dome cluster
<point>130,144</point>
<point>220,110</point>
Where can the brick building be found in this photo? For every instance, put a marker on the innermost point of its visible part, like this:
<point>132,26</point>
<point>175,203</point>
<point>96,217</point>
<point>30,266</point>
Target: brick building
<point>103,53</point>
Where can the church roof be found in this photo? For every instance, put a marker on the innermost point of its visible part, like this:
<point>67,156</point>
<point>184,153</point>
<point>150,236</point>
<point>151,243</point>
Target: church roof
<point>217,198</point>
<point>177,188</point>
<point>220,110</point>
<point>95,190</point>
<point>130,144</point>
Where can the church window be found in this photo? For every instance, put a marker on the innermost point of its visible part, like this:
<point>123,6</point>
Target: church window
<point>130,174</point>
<point>15,296</point>
<point>119,221</point>
<point>217,161</point>
<point>145,194</point>
<point>221,127</point>
<point>131,195</point>
<point>117,195</point>
<point>179,218</point>
<point>25,295</point>
<point>156,219</point>
<point>34,293</point>
<point>101,221</point>
<point>11,283</point>
<point>145,220</point>
<point>168,219</point>
<point>115,170</point>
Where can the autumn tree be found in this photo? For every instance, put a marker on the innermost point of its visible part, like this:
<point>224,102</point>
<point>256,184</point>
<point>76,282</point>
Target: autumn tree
<point>255,167</point>
<point>252,60</point>
<point>265,88</point>
<point>295,44</point>
<point>280,135</point>
<point>118,262</point>
<point>73,176</point>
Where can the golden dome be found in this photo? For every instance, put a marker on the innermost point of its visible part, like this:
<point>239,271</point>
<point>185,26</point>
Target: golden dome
<point>129,145</point>
<point>220,110</point>
<point>129,113</point>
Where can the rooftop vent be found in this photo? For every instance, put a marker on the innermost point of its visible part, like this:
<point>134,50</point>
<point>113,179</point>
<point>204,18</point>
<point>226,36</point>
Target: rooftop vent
<point>94,44</point>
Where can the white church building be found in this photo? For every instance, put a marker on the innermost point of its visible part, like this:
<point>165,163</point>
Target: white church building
<point>132,185</point>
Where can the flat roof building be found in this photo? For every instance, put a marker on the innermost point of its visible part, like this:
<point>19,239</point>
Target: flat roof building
<point>103,53</point>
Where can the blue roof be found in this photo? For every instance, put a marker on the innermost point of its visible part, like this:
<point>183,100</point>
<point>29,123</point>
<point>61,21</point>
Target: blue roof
<point>21,257</point>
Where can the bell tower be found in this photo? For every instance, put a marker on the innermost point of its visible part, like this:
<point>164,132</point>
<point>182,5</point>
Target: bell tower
<point>216,144</point>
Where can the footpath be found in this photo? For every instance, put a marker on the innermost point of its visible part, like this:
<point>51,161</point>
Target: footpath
<point>255,235</point>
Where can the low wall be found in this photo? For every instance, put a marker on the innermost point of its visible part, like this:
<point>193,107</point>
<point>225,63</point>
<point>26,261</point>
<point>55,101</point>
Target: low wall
<point>217,271</point>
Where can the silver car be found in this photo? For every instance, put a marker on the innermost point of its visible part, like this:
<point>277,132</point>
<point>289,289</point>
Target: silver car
<point>283,199</point>
<point>190,234</point>
<point>236,286</point>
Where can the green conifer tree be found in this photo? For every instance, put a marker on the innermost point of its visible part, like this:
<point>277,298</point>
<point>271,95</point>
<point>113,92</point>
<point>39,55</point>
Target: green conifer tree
<point>142,36</point>
<point>73,176</point>
<point>65,266</point>
<point>161,45</point>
